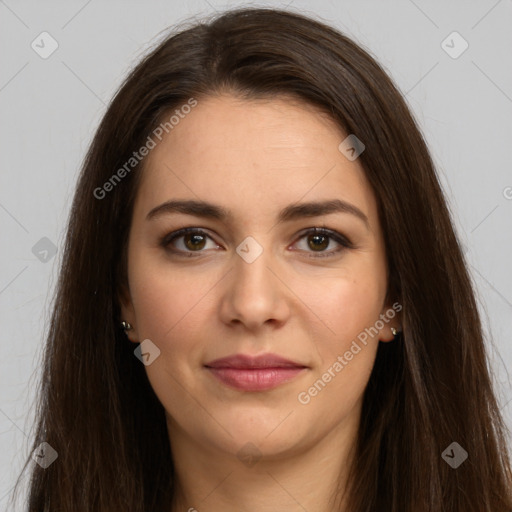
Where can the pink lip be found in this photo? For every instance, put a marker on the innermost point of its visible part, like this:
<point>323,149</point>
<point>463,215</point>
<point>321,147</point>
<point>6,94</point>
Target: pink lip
<point>258,373</point>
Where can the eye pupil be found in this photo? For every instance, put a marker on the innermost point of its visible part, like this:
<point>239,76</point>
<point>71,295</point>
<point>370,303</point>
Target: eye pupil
<point>319,240</point>
<point>197,241</point>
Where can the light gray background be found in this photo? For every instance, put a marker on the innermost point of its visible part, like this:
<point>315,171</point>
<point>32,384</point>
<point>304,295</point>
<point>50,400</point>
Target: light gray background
<point>50,108</point>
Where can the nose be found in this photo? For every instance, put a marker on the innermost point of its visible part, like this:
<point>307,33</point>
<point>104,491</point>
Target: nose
<point>254,294</point>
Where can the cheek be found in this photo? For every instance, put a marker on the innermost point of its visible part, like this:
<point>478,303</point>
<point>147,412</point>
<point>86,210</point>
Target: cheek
<point>172,310</point>
<point>342,304</point>
<point>168,306</point>
<point>163,295</point>
<point>335,392</point>
<point>347,306</point>
<point>345,356</point>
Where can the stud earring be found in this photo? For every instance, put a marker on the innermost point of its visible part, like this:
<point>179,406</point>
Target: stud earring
<point>395,332</point>
<point>126,326</point>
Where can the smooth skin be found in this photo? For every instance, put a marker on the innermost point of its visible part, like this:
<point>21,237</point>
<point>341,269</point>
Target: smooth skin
<point>303,299</point>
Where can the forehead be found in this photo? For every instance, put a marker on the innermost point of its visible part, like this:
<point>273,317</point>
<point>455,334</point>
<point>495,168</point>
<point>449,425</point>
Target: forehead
<point>253,154</point>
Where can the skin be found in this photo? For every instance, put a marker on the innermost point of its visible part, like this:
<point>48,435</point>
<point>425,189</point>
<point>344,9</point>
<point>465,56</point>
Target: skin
<point>255,158</point>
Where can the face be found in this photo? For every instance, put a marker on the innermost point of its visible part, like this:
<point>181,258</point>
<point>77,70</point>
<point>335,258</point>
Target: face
<point>285,261</point>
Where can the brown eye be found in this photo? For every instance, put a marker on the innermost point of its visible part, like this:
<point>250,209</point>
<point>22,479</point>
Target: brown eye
<point>318,242</point>
<point>187,241</point>
<point>194,241</point>
<point>322,242</point>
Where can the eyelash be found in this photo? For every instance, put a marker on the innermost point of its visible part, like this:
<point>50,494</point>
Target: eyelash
<point>334,235</point>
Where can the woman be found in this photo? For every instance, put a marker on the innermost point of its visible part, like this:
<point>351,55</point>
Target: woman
<point>263,304</point>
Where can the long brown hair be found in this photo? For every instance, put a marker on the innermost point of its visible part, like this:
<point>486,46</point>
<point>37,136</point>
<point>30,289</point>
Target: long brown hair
<point>430,388</point>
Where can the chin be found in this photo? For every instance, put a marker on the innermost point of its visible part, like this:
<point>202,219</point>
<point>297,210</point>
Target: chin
<point>268,435</point>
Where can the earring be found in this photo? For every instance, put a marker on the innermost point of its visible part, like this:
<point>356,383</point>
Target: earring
<point>126,326</point>
<point>395,332</point>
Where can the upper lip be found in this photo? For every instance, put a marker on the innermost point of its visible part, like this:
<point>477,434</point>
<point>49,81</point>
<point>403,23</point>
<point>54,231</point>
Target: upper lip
<point>241,361</point>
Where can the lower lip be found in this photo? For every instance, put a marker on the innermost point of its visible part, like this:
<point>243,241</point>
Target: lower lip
<point>257,379</point>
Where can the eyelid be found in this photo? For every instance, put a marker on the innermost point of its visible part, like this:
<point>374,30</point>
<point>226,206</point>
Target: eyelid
<point>339,238</point>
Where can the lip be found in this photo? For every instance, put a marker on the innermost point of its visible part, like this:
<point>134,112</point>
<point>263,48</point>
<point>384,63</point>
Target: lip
<point>259,373</point>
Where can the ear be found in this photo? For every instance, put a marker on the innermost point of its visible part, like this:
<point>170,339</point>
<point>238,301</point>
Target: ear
<point>128,313</point>
<point>391,317</point>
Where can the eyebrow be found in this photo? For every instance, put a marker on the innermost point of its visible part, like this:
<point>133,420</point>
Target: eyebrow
<point>287,214</point>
